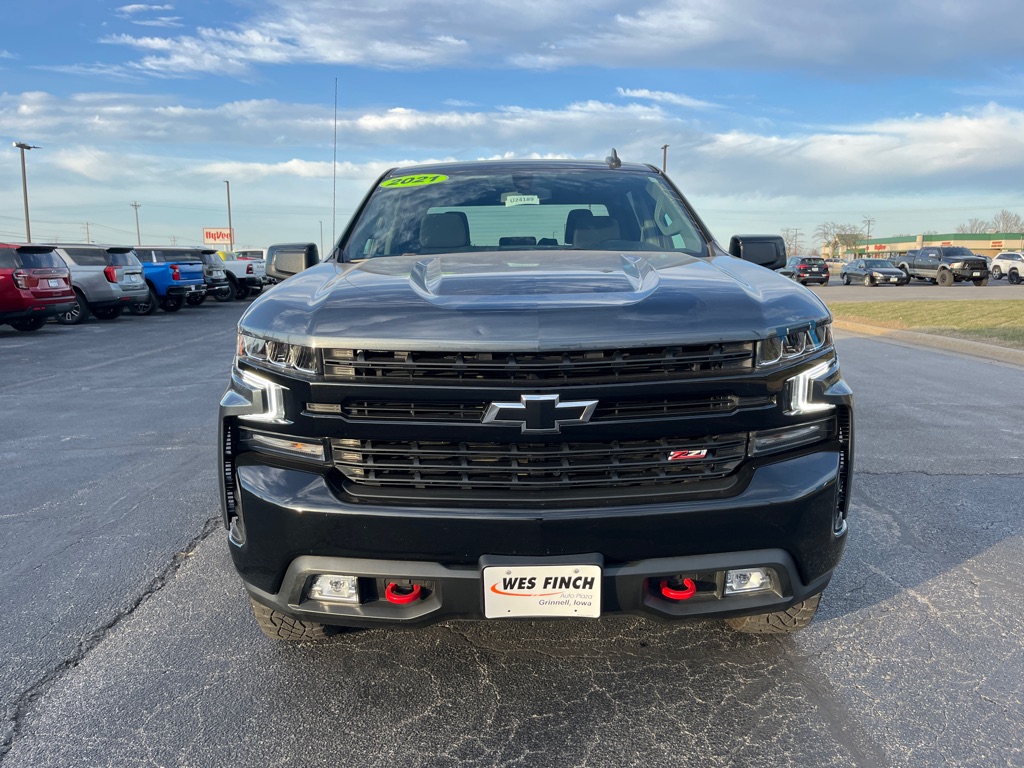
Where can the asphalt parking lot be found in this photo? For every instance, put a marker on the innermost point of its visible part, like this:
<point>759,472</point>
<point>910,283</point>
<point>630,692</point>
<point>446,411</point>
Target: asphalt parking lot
<point>126,638</point>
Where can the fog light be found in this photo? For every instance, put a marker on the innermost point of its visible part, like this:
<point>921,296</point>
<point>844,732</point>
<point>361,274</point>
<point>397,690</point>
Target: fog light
<point>746,580</point>
<point>335,589</point>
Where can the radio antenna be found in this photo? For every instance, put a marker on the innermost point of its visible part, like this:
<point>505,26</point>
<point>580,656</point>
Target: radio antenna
<point>334,170</point>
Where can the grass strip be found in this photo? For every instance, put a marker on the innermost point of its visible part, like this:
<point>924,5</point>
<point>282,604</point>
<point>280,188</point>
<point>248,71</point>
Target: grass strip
<point>992,322</point>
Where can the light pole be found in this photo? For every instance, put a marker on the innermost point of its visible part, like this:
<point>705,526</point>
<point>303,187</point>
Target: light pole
<point>231,232</point>
<point>138,233</point>
<point>24,185</point>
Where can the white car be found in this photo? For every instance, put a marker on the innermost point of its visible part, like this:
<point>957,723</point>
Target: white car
<point>1009,263</point>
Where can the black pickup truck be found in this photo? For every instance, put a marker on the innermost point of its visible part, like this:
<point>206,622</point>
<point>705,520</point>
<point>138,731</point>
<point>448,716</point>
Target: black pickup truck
<point>531,390</point>
<point>945,265</point>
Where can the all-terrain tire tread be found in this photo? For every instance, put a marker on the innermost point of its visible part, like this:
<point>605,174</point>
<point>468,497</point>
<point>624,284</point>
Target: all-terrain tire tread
<point>279,626</point>
<point>793,619</point>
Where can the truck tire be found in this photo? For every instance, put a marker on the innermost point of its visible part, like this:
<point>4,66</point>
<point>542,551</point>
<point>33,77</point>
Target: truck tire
<point>278,626</point>
<point>225,293</point>
<point>242,292</point>
<point>145,307</point>
<point>981,281</point>
<point>79,311</point>
<point>793,619</point>
<point>171,303</point>
<point>195,299</point>
<point>945,278</point>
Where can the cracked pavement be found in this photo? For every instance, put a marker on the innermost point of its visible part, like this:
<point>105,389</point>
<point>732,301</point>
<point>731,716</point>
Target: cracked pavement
<point>127,640</point>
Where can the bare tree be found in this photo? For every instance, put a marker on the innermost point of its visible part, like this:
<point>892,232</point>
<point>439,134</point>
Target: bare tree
<point>792,239</point>
<point>1005,221</point>
<point>837,237</point>
<point>975,226</point>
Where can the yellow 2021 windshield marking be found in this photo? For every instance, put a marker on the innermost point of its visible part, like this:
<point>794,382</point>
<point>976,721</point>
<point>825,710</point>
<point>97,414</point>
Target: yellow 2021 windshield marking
<point>414,181</point>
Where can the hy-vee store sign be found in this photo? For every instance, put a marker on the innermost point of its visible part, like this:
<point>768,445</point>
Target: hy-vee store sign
<point>218,236</point>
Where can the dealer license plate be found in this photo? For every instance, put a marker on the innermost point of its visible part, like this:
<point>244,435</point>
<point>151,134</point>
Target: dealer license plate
<point>542,590</point>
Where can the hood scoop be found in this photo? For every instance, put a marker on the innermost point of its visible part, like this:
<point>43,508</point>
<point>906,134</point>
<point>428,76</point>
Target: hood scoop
<point>528,282</point>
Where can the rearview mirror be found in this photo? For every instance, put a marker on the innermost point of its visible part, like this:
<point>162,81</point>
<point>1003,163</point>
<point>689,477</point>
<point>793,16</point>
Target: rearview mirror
<point>291,258</point>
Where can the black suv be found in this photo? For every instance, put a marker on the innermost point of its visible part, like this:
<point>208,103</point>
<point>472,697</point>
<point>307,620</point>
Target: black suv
<point>533,389</point>
<point>807,269</point>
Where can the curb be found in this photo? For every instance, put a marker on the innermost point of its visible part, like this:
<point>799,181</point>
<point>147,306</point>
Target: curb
<point>948,343</point>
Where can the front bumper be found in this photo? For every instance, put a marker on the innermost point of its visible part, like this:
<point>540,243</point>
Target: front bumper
<point>970,273</point>
<point>291,524</point>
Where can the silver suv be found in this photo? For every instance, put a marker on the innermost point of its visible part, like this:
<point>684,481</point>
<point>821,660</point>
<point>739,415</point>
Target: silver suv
<point>106,279</point>
<point>1009,263</point>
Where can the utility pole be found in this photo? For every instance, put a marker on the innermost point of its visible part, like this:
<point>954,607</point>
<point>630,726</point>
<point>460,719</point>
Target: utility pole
<point>867,223</point>
<point>231,232</point>
<point>86,224</point>
<point>138,235</point>
<point>664,158</point>
<point>24,185</point>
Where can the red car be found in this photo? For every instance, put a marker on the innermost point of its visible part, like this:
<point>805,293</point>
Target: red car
<point>35,284</point>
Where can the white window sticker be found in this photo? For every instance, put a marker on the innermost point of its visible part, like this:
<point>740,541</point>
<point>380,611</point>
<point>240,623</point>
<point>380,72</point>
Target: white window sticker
<point>510,199</point>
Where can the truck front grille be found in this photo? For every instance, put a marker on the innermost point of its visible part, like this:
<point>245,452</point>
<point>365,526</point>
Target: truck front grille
<point>517,368</point>
<point>473,411</point>
<point>532,466</point>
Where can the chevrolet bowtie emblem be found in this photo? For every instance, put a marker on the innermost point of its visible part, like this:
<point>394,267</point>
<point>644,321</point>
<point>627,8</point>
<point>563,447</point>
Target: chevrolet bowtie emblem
<point>540,413</point>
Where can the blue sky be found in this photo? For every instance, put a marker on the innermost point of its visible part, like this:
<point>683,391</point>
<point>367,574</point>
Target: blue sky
<point>777,116</point>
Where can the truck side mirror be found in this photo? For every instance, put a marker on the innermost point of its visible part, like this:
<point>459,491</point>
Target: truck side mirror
<point>767,250</point>
<point>289,259</point>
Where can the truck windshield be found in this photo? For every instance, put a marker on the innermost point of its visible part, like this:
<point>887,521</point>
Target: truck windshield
<point>545,209</point>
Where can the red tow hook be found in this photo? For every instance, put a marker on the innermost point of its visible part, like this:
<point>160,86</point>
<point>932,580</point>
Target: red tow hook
<point>402,594</point>
<point>689,590</point>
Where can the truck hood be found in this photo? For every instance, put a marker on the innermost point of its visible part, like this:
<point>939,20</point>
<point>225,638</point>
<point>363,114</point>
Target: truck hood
<point>531,300</point>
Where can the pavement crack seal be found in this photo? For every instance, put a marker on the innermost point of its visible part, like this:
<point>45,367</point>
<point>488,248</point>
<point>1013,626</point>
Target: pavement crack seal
<point>23,705</point>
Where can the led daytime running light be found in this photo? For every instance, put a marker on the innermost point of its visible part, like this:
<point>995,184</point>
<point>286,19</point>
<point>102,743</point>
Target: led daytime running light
<point>801,392</point>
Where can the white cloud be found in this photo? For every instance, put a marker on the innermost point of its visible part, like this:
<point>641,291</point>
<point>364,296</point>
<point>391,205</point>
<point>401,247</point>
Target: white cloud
<point>665,97</point>
<point>870,36</point>
<point>139,14</point>
<point>127,146</point>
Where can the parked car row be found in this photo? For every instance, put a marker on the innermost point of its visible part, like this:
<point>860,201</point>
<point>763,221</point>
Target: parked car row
<point>70,282</point>
<point>943,266</point>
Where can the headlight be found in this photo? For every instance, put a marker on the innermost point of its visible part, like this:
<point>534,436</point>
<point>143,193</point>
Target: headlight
<point>877,275</point>
<point>794,343</point>
<point>277,355</point>
<point>956,265</point>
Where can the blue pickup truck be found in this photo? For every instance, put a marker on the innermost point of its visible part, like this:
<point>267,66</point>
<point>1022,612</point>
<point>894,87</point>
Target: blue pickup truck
<point>171,276</point>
